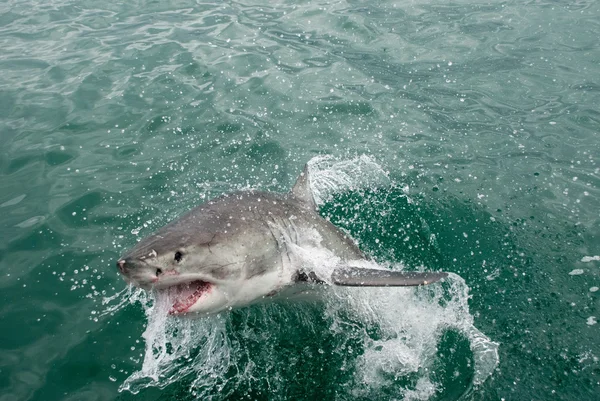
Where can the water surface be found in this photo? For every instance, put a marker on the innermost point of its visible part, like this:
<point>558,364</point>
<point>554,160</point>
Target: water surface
<point>116,118</point>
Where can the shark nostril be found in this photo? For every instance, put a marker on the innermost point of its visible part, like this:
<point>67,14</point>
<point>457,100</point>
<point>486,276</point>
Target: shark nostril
<point>158,272</point>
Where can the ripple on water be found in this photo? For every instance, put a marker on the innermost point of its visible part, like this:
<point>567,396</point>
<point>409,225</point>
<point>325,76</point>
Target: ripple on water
<point>483,113</point>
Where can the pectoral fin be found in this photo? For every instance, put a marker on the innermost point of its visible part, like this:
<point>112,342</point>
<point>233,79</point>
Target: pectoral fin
<point>359,277</point>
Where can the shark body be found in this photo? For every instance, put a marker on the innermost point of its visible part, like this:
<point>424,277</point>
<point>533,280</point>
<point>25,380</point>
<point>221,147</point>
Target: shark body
<point>242,247</point>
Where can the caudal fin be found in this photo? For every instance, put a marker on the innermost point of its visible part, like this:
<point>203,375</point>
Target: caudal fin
<point>359,277</point>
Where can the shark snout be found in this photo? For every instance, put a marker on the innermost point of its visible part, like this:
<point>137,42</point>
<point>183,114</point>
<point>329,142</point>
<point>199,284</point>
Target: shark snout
<point>124,265</point>
<point>138,272</point>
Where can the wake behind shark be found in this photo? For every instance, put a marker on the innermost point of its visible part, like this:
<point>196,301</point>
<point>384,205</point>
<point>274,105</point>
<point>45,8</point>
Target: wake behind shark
<point>242,248</point>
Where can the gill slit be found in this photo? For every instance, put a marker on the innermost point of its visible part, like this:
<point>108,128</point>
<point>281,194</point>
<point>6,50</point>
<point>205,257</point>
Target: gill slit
<point>281,244</point>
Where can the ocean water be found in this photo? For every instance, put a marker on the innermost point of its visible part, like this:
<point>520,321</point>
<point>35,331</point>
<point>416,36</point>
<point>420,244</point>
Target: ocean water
<point>459,136</point>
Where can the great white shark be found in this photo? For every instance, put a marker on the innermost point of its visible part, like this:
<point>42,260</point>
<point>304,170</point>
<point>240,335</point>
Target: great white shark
<point>242,247</point>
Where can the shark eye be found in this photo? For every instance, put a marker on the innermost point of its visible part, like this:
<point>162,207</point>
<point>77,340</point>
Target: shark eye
<point>158,272</point>
<point>178,256</point>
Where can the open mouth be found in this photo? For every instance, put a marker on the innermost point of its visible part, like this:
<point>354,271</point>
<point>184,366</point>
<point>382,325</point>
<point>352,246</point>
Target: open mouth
<point>183,296</point>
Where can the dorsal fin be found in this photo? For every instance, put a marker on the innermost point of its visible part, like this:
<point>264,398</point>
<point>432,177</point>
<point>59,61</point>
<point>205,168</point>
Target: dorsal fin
<point>301,189</point>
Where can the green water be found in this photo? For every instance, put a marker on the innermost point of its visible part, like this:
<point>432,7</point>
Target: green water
<point>117,117</point>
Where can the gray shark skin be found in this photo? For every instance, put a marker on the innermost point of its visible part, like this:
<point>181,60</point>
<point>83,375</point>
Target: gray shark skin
<point>242,247</point>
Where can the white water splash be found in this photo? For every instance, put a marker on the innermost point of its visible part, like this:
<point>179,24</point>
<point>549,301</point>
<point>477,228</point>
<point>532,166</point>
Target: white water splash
<point>398,329</point>
<point>411,323</point>
<point>122,298</point>
<point>329,176</point>
<point>176,348</point>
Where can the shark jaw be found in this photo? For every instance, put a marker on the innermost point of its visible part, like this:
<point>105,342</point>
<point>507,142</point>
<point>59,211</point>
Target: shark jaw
<point>183,297</point>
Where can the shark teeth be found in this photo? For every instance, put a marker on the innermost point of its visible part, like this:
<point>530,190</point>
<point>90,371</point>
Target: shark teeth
<point>185,295</point>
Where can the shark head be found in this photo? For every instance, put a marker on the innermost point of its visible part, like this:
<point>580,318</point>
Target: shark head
<point>216,257</point>
<point>182,269</point>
